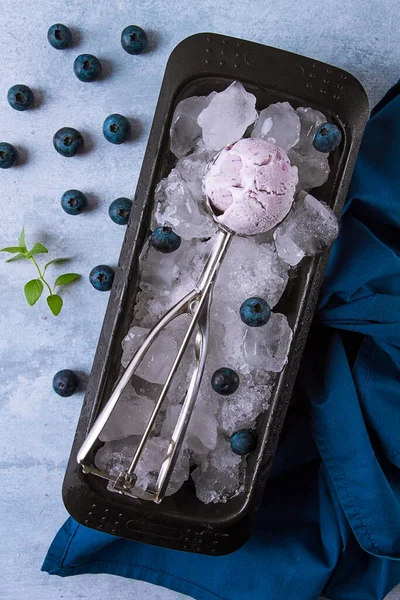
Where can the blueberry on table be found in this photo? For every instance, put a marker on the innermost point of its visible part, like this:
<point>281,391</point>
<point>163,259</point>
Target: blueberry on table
<point>165,240</point>
<point>327,137</point>
<point>65,383</point>
<point>59,36</point>
<point>134,40</point>
<point>68,141</point>
<point>8,155</point>
<point>255,312</point>
<point>73,202</point>
<point>243,442</point>
<point>225,381</point>
<point>20,97</point>
<point>87,67</point>
<point>102,277</point>
<point>119,210</point>
<point>116,129</point>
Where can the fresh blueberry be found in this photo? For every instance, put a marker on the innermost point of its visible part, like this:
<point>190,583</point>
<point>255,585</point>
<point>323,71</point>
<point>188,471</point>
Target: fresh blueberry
<point>59,36</point>
<point>68,141</point>
<point>8,155</point>
<point>255,312</point>
<point>87,67</point>
<point>20,97</point>
<point>120,210</point>
<point>327,137</point>
<point>102,277</point>
<point>225,381</point>
<point>65,383</point>
<point>73,202</point>
<point>116,129</point>
<point>134,40</point>
<point>243,442</point>
<point>165,240</point>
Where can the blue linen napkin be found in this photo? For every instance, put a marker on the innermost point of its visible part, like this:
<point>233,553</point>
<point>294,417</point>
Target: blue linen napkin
<point>330,519</point>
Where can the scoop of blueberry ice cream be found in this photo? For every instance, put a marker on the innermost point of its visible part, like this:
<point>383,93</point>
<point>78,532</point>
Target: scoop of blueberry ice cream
<point>250,186</point>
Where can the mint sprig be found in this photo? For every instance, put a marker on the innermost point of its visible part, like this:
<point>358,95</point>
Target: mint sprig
<point>34,288</point>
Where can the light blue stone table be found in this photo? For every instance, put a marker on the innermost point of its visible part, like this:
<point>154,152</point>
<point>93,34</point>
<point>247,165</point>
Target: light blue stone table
<point>37,426</point>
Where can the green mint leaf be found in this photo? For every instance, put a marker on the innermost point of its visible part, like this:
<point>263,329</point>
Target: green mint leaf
<point>11,249</point>
<point>66,279</point>
<point>33,290</point>
<point>54,261</point>
<point>55,304</point>
<point>16,257</point>
<point>38,248</point>
<point>22,239</point>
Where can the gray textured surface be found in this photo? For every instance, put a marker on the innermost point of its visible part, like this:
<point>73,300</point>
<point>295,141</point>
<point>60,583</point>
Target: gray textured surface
<point>37,426</point>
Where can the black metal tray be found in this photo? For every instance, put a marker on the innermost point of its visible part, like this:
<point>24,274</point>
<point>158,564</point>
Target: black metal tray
<point>198,65</point>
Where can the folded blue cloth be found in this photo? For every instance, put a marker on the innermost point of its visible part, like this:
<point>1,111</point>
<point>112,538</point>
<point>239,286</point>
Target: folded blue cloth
<point>330,520</point>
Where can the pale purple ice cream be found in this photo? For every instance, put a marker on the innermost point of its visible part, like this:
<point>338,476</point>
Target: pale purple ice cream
<point>250,186</point>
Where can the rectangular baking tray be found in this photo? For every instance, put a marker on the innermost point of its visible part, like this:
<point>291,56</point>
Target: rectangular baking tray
<point>198,65</point>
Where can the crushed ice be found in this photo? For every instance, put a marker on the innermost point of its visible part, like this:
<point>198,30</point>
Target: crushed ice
<point>254,266</point>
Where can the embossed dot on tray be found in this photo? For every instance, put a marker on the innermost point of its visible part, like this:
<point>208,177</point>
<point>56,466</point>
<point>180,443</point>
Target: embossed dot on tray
<point>90,513</point>
<point>213,551</point>
<point>314,65</point>
<point>222,62</point>
<point>222,51</point>
<point>107,510</point>
<point>207,61</point>
<point>312,74</point>
<point>343,76</point>
<point>224,41</point>
<point>208,39</point>
<point>326,80</point>
<point>329,70</point>
<point>237,54</point>
<point>86,521</point>
<point>237,65</point>
<point>94,505</point>
<point>114,530</point>
<point>238,44</point>
<point>121,515</point>
<point>100,526</point>
<point>322,91</point>
<point>339,85</point>
<point>104,518</point>
<point>336,96</point>
<point>308,85</point>
<point>116,523</point>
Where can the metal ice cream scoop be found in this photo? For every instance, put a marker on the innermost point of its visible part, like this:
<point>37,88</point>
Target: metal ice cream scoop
<point>196,304</point>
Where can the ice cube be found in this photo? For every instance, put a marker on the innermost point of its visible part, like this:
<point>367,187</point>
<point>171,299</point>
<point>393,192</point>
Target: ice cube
<point>115,457</point>
<point>250,269</point>
<point>183,273</point>
<point>158,360</point>
<point>192,169</point>
<point>129,417</point>
<point>310,228</point>
<point>220,475</point>
<point>201,435</point>
<point>185,130</point>
<point>227,116</point>
<point>176,206</point>
<point>158,270</point>
<point>267,347</point>
<point>313,166</point>
<point>279,124</point>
